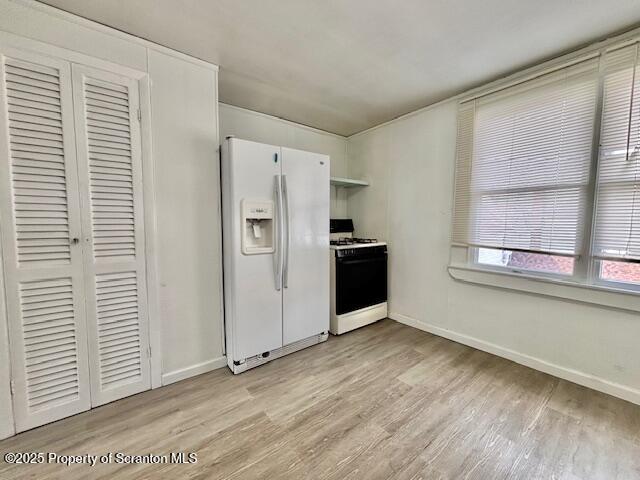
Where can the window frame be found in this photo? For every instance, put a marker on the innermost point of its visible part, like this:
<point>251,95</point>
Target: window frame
<point>587,267</point>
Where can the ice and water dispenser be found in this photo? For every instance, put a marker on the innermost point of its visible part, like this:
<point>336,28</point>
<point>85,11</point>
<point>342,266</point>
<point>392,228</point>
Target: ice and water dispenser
<point>258,231</point>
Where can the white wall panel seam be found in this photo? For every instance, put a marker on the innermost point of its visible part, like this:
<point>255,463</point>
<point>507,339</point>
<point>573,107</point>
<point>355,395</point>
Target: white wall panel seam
<point>151,229</point>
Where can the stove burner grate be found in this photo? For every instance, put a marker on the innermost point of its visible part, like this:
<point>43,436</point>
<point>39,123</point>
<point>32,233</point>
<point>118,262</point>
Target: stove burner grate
<point>352,241</point>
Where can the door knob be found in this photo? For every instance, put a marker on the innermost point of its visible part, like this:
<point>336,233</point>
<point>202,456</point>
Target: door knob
<point>75,241</point>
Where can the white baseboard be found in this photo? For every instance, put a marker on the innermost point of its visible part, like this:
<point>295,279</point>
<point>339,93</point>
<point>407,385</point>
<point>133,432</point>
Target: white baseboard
<point>575,376</point>
<point>193,370</point>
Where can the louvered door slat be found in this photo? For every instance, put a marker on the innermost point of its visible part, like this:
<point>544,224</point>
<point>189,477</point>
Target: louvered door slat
<point>30,94</point>
<point>109,166</point>
<point>39,214</point>
<point>111,136</point>
<point>53,327</point>
<point>49,340</point>
<point>25,79</point>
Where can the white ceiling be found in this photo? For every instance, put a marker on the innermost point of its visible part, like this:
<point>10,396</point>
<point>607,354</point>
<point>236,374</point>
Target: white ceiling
<point>346,65</point>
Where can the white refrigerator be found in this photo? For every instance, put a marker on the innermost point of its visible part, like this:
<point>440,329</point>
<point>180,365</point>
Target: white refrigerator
<point>276,251</point>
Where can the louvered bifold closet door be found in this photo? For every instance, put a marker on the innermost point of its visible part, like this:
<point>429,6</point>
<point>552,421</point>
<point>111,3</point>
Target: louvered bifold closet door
<point>39,213</point>
<point>109,166</point>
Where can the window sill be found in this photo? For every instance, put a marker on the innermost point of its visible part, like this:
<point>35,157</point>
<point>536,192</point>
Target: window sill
<point>551,287</point>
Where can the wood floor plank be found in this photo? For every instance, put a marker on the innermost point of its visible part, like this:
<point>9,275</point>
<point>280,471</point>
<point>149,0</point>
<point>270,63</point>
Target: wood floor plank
<point>382,402</point>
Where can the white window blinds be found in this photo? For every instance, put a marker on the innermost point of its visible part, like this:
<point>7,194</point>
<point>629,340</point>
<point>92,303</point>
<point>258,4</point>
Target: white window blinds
<point>464,154</point>
<point>617,221</point>
<point>523,162</point>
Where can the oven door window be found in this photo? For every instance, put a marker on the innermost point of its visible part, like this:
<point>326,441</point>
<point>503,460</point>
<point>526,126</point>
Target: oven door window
<point>361,281</point>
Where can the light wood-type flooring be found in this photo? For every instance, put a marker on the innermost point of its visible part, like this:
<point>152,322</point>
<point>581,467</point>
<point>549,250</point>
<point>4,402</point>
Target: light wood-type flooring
<point>386,401</point>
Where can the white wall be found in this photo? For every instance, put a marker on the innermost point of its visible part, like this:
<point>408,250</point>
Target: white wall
<point>187,189</point>
<point>259,127</point>
<point>410,164</point>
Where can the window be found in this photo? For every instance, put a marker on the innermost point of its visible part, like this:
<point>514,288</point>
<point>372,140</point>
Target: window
<point>533,195</point>
<point>620,272</point>
<point>526,261</point>
<point>617,219</point>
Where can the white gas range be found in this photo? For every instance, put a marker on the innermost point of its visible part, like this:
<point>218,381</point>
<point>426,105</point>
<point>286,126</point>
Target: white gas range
<point>358,278</point>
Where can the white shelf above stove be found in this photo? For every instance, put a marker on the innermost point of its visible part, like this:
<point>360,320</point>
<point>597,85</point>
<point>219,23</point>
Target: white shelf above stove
<point>348,182</point>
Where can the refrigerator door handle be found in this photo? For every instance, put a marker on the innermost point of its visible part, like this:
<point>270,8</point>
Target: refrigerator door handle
<point>287,236</point>
<point>279,226</point>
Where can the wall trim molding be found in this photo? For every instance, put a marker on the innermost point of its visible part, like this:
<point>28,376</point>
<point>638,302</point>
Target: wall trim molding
<point>596,383</point>
<point>193,370</point>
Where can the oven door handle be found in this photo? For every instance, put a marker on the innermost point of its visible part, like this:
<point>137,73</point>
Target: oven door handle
<point>343,261</point>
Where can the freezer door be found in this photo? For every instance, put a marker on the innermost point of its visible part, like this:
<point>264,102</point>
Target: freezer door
<point>253,295</point>
<point>305,180</point>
